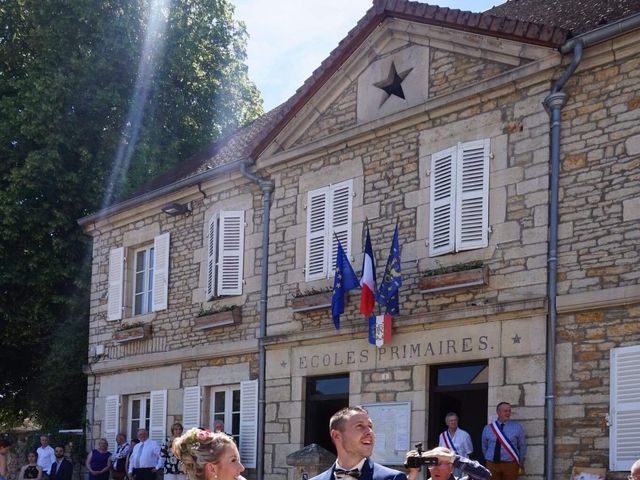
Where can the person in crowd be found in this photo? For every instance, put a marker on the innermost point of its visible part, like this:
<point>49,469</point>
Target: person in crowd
<point>634,474</point>
<point>447,461</point>
<point>4,451</point>
<point>132,444</point>
<point>119,457</point>
<point>62,469</point>
<point>31,471</point>
<point>207,455</point>
<point>172,466</point>
<point>504,445</point>
<point>218,426</point>
<point>454,438</point>
<point>145,459</point>
<point>99,461</point>
<point>46,455</point>
<point>351,431</point>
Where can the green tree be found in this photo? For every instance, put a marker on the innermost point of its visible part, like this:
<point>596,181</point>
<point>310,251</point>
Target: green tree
<point>96,98</point>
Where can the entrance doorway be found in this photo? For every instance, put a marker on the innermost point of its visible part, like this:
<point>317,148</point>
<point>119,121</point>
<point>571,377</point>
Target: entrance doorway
<point>325,396</point>
<point>461,388</point>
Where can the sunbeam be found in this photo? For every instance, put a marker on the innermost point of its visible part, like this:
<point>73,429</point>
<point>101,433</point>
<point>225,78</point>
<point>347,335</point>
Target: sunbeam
<point>153,46</point>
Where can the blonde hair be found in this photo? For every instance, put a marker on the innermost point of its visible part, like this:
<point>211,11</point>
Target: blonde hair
<point>197,447</point>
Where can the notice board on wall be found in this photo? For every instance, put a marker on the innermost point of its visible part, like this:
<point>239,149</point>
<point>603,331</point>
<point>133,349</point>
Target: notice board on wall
<point>392,427</point>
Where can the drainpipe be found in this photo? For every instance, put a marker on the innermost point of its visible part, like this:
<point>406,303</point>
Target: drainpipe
<point>267,186</point>
<point>553,104</point>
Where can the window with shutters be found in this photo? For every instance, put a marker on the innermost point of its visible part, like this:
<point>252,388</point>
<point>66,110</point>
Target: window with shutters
<point>225,410</point>
<point>329,211</point>
<point>225,254</point>
<point>138,279</point>
<point>459,198</point>
<point>624,414</point>
<point>143,281</point>
<point>234,409</point>
<point>148,411</point>
<point>139,414</point>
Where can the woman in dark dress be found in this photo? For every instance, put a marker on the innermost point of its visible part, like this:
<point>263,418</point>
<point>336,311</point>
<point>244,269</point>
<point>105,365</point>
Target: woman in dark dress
<point>99,461</point>
<point>31,471</point>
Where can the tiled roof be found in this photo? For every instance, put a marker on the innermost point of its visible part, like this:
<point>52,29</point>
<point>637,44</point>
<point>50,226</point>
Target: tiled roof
<point>231,148</point>
<point>578,16</point>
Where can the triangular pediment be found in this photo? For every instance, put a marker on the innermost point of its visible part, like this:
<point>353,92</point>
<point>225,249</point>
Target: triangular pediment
<point>401,64</point>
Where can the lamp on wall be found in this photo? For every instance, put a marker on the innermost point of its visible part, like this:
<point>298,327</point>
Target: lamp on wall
<point>176,208</point>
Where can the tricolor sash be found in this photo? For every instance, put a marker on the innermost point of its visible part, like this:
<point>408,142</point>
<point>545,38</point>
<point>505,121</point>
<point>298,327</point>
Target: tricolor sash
<point>448,441</point>
<point>504,441</point>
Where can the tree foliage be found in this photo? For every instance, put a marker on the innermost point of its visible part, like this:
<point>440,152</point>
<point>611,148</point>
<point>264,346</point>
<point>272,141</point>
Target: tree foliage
<point>93,103</point>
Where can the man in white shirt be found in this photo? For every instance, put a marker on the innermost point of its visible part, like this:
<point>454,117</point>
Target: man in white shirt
<point>46,455</point>
<point>145,459</point>
<point>454,438</point>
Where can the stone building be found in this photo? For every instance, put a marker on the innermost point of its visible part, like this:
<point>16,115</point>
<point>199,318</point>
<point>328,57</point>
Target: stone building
<point>520,278</point>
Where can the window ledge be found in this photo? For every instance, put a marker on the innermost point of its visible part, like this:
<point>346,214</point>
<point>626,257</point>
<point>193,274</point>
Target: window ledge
<point>218,319</point>
<point>316,301</point>
<point>455,280</point>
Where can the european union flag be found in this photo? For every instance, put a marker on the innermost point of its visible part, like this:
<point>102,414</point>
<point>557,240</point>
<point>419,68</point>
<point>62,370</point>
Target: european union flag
<point>392,280</point>
<point>345,279</point>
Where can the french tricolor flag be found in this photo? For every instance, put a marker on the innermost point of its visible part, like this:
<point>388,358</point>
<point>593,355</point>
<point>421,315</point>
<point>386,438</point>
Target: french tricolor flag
<point>368,280</point>
<point>380,329</point>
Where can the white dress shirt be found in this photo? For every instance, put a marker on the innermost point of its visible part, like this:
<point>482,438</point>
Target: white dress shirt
<point>146,455</point>
<point>46,458</point>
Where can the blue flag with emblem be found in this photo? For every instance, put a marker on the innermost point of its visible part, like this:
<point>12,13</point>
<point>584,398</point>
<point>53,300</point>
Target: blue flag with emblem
<point>345,279</point>
<point>392,279</point>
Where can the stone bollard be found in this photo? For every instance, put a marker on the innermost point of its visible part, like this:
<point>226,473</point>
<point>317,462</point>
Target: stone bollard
<point>309,461</point>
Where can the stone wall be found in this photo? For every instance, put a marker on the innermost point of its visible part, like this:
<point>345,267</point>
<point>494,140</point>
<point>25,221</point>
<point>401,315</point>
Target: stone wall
<point>599,188</point>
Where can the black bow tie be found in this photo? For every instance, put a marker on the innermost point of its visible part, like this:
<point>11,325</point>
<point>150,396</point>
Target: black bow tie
<point>341,472</point>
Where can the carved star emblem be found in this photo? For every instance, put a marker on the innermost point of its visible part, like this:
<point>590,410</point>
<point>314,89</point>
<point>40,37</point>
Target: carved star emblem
<point>392,85</point>
<point>283,364</point>
<point>516,339</point>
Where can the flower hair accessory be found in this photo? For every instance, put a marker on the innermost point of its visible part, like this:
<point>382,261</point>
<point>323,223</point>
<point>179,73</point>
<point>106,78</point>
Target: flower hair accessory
<point>195,438</point>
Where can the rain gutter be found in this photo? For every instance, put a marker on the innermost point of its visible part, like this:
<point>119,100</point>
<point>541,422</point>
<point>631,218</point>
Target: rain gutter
<point>162,191</point>
<point>554,103</point>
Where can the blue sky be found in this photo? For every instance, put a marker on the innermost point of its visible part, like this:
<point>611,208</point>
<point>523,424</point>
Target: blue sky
<point>290,38</point>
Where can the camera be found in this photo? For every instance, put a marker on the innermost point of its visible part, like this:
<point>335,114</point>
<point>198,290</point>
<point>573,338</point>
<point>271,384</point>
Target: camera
<point>418,461</point>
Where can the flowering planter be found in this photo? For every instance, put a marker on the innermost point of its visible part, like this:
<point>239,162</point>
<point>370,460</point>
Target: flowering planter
<point>455,280</point>
<point>212,320</point>
<point>134,333</point>
<point>315,301</point>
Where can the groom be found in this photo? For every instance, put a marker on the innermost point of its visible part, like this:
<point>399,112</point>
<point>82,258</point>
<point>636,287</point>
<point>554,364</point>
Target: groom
<point>351,431</point>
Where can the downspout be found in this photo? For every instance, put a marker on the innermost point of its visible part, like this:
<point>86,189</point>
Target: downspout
<point>553,104</point>
<point>267,186</point>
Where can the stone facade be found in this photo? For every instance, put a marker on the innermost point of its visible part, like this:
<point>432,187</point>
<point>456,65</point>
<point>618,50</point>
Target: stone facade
<point>480,88</point>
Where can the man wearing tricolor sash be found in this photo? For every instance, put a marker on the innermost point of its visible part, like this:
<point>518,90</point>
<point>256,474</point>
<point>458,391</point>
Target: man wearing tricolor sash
<point>504,445</point>
<point>454,438</point>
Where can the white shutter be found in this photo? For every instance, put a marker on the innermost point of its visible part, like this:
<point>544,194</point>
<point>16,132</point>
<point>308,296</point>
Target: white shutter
<point>191,408</point>
<point>230,265</point>
<point>248,422</point>
<point>212,257</point>
<point>441,205</point>
<point>158,416</point>
<point>317,232</point>
<point>341,208</point>
<point>624,433</point>
<point>116,278</point>
<point>472,195</point>
<point>161,272</point>
<point>111,419</point>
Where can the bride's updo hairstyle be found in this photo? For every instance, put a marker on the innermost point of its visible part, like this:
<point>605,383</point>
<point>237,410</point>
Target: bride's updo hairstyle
<point>197,447</point>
